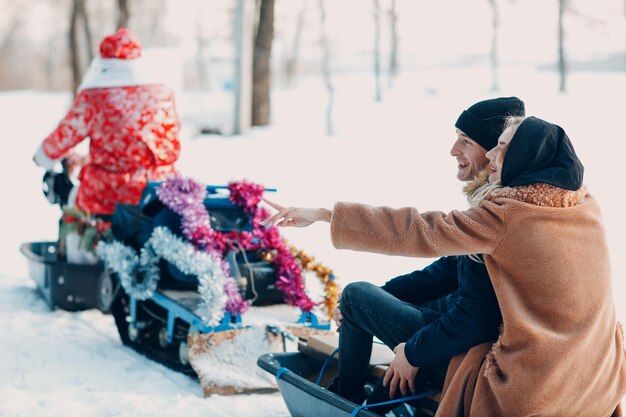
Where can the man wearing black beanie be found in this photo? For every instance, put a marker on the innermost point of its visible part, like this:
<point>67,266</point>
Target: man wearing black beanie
<point>437,312</point>
<point>478,129</point>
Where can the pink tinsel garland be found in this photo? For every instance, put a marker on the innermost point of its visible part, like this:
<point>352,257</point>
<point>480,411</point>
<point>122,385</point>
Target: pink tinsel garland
<point>186,197</point>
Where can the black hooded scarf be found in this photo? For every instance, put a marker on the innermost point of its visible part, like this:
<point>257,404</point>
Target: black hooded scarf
<point>541,152</point>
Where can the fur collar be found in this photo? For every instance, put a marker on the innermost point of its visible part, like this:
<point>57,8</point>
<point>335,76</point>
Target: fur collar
<point>544,195</point>
<point>479,180</point>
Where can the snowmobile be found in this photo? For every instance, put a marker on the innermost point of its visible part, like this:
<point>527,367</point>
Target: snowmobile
<point>158,304</point>
<point>157,323</point>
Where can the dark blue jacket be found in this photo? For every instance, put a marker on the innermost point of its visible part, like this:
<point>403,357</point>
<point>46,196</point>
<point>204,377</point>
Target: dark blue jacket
<point>471,316</point>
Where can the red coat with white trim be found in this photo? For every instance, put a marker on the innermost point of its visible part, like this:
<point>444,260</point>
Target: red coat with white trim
<point>133,135</point>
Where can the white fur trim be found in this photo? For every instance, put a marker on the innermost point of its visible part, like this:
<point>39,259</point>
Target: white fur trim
<point>110,72</point>
<point>43,160</point>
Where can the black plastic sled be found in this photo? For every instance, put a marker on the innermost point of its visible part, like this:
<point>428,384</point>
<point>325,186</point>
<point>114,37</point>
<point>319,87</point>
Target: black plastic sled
<point>297,386</point>
<point>62,285</point>
<point>297,373</point>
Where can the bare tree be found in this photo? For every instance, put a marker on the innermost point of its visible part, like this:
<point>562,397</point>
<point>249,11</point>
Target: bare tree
<point>326,68</point>
<point>123,14</point>
<point>261,65</point>
<point>393,50</point>
<point>7,37</point>
<point>495,21</point>
<point>50,60</point>
<point>79,13</point>
<point>244,12</point>
<point>378,95</point>
<point>378,91</point>
<point>158,14</point>
<point>291,62</point>
<point>73,45</point>
<point>82,12</point>
<point>202,44</point>
<point>562,66</point>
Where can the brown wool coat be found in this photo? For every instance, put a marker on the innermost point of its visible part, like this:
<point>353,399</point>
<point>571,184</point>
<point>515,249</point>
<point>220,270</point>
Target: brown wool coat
<point>561,349</point>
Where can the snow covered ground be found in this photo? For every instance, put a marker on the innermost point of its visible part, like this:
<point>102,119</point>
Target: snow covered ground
<point>393,153</point>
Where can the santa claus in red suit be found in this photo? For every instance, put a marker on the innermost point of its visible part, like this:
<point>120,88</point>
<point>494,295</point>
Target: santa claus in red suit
<point>131,122</point>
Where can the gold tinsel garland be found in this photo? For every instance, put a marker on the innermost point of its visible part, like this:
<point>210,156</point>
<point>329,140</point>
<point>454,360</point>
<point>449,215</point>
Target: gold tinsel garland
<point>324,274</point>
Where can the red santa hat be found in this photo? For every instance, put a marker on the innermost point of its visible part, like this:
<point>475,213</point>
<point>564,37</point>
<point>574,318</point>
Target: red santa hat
<point>123,44</point>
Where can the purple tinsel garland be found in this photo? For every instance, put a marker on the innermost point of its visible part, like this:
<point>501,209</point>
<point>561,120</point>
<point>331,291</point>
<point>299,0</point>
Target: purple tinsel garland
<point>186,197</point>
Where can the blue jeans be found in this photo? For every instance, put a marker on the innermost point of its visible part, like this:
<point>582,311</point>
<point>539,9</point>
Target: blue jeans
<point>370,311</point>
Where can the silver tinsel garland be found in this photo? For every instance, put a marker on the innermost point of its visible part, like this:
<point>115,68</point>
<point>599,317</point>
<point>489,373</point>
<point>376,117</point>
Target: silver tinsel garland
<point>123,260</point>
<point>164,244</point>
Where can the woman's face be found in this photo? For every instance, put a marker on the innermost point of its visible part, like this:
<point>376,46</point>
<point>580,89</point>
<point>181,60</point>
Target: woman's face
<point>496,155</point>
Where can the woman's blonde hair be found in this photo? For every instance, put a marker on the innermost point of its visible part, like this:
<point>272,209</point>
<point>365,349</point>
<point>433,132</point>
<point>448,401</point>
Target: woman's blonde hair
<point>513,122</point>
<point>477,189</point>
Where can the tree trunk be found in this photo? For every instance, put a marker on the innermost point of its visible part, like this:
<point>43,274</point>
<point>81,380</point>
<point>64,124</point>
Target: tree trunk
<point>7,43</point>
<point>73,45</point>
<point>9,35</point>
<point>244,51</point>
<point>326,69</point>
<point>82,14</point>
<point>291,63</point>
<point>378,92</point>
<point>78,12</point>
<point>50,63</point>
<point>562,64</point>
<point>393,53</point>
<point>123,14</point>
<point>495,21</point>
<point>202,42</point>
<point>261,65</point>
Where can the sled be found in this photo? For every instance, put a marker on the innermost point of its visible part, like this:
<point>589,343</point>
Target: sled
<point>302,375</point>
<point>63,285</point>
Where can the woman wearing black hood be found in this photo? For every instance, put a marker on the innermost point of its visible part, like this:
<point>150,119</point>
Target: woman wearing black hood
<point>561,349</point>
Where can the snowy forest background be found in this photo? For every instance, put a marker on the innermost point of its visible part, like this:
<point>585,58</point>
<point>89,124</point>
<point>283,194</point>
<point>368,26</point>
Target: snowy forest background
<point>363,98</point>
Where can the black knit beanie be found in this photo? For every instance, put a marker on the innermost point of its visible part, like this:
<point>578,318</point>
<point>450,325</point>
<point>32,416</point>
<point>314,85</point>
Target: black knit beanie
<point>541,152</point>
<point>484,121</point>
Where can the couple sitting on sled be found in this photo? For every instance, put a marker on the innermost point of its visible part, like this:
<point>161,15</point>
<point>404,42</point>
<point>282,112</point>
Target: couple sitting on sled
<point>517,316</point>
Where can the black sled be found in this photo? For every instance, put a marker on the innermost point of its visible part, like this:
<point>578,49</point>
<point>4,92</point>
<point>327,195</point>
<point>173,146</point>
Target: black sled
<point>62,284</point>
<point>302,375</point>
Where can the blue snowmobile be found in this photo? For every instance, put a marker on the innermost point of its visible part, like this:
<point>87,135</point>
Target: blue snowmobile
<point>155,304</point>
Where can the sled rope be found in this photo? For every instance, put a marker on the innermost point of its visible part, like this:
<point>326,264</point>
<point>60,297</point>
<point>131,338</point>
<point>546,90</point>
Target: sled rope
<point>355,412</point>
<point>326,363</point>
<point>280,372</point>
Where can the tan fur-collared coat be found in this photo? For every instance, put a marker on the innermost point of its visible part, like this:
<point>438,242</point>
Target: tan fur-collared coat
<point>561,349</point>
